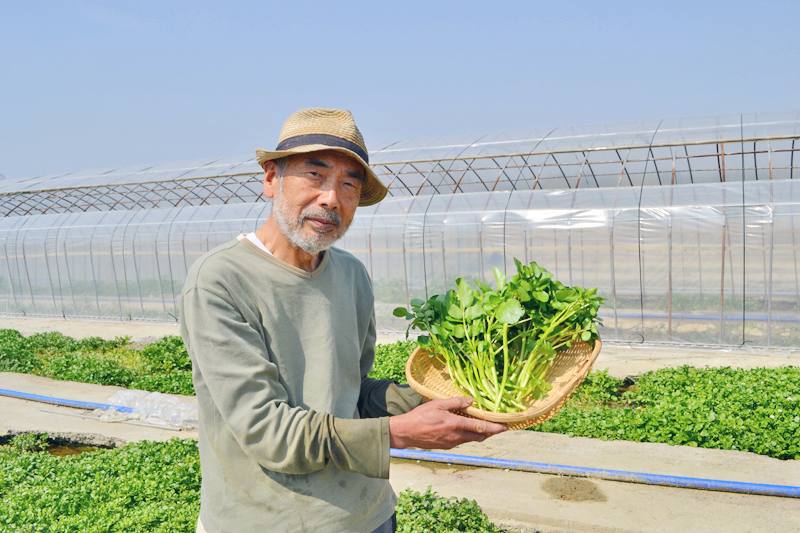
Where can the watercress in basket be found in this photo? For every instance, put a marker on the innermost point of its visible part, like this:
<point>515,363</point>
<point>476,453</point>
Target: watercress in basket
<point>498,344</point>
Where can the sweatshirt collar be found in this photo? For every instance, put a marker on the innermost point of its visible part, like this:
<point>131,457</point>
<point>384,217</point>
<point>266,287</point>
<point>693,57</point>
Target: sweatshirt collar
<point>242,238</point>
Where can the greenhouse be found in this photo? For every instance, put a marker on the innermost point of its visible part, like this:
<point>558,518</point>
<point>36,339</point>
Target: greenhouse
<point>686,226</point>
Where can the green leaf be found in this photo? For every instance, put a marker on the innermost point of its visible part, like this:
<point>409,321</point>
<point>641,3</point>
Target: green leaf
<point>541,296</point>
<point>465,293</point>
<point>473,312</point>
<point>482,286</point>
<point>438,330</point>
<point>586,335</point>
<point>566,295</point>
<point>455,311</point>
<point>523,294</point>
<point>458,331</point>
<point>475,328</point>
<point>500,278</point>
<point>416,302</point>
<point>509,312</point>
<point>400,312</point>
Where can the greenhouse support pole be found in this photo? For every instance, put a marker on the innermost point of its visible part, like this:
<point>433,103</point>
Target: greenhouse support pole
<point>639,227</point>
<point>158,270</point>
<point>508,202</point>
<point>91,264</point>
<point>45,257</point>
<point>405,265</point>
<point>722,273</point>
<point>178,211</point>
<point>69,273</point>
<point>669,244</point>
<point>744,236</point>
<point>721,164</point>
<point>58,270</point>
<point>114,267</point>
<point>771,246</point>
<point>11,276</point>
<point>27,272</point>
<point>569,219</point>
<point>622,172</point>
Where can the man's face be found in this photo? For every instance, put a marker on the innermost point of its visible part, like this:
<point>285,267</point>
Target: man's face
<point>315,200</point>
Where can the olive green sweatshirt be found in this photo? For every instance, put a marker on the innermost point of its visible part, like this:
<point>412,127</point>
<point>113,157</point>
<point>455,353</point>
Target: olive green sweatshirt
<point>293,434</point>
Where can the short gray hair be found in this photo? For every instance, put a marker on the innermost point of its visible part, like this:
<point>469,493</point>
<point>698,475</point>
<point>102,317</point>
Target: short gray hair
<point>282,163</point>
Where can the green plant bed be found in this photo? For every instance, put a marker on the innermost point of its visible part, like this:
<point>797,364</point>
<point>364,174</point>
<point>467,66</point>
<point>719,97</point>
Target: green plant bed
<point>152,487</point>
<point>390,360</point>
<point>755,410</point>
<point>161,366</point>
<point>147,486</point>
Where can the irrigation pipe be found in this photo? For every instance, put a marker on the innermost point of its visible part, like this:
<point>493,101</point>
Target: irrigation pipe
<point>62,402</point>
<point>760,489</point>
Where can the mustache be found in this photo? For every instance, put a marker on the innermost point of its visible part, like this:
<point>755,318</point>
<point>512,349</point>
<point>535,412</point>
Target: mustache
<point>330,216</point>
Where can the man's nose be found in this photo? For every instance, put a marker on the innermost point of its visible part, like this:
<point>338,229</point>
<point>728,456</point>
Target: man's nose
<point>329,198</point>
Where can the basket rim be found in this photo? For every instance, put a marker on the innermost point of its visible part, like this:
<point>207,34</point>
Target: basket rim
<point>542,408</point>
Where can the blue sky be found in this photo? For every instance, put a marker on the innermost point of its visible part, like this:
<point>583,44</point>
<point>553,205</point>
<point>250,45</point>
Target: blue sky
<point>102,84</point>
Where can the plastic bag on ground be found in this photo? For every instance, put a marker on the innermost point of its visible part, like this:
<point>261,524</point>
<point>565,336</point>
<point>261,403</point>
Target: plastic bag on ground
<point>152,408</point>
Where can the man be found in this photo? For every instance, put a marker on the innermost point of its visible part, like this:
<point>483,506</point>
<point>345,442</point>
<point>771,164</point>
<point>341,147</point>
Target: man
<point>281,330</point>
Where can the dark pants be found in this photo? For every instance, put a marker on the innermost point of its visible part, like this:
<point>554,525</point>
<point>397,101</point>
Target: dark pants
<point>390,526</point>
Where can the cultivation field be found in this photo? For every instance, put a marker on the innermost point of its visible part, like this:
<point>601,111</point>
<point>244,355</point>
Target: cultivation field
<point>754,410</point>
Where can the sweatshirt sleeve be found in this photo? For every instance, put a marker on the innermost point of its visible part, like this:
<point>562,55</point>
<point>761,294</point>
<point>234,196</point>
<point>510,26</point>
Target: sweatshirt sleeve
<point>381,397</point>
<point>234,376</point>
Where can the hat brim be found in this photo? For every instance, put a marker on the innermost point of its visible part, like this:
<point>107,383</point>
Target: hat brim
<point>373,190</point>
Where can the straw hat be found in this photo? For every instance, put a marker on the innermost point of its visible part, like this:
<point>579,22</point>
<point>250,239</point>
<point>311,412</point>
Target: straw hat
<point>315,129</point>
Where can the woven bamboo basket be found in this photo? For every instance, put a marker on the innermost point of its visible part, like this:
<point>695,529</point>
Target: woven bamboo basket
<point>429,377</point>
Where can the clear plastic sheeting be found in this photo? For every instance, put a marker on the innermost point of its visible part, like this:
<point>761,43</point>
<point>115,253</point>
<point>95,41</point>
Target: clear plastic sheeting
<point>151,408</point>
<point>709,263</point>
<point>686,226</point>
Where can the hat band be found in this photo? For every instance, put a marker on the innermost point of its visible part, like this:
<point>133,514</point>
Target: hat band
<point>325,139</point>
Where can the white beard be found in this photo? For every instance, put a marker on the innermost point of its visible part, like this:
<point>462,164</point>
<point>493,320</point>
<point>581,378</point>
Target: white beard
<point>312,243</point>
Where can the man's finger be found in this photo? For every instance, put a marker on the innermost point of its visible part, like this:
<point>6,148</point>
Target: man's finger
<point>489,428</point>
<point>453,404</point>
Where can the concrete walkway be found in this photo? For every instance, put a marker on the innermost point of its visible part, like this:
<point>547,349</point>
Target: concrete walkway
<point>19,416</point>
<point>546,503</point>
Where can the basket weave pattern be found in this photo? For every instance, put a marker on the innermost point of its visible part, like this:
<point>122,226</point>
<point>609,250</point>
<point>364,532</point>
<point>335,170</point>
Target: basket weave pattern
<point>429,377</point>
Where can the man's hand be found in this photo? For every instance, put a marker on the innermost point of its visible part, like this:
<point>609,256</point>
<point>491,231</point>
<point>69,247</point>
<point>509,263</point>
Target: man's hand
<point>432,426</point>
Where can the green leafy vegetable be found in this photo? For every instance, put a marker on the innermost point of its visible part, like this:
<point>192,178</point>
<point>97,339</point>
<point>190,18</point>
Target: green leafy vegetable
<point>153,487</point>
<point>427,512</point>
<point>755,410</point>
<point>498,344</point>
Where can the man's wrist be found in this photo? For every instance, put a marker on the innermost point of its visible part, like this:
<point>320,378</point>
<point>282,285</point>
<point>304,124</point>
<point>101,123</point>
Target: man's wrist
<point>395,432</point>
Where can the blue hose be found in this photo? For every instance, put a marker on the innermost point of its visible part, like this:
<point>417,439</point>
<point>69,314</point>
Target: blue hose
<point>525,466</point>
<point>601,473</point>
<point>62,402</point>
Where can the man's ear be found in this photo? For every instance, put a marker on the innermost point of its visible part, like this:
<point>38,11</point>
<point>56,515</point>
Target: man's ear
<point>270,179</point>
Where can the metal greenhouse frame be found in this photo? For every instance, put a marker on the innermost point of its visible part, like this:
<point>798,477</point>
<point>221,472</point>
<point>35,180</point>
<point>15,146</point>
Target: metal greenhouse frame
<point>687,226</point>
